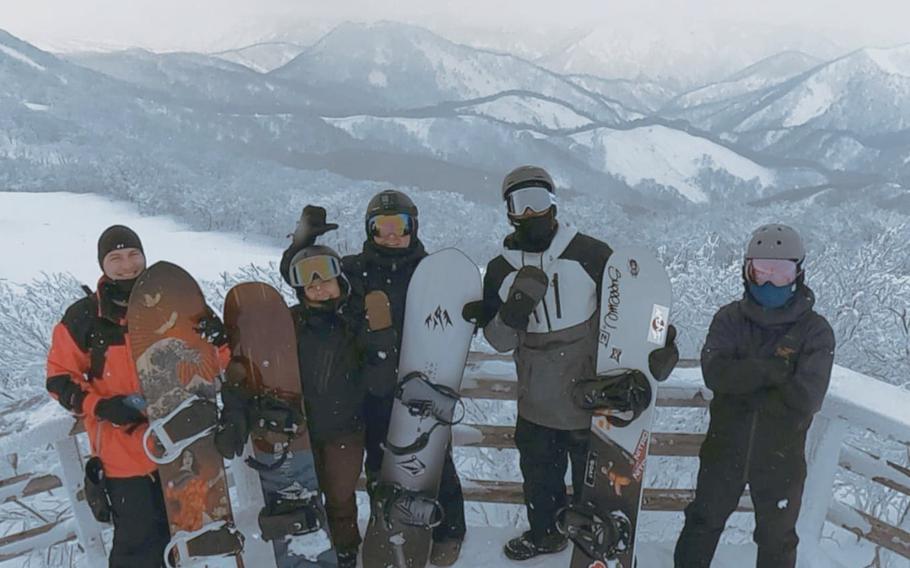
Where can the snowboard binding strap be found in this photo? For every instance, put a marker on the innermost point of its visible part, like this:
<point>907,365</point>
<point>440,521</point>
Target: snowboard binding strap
<point>627,391</point>
<point>193,419</point>
<point>426,399</point>
<point>410,508</point>
<point>271,414</point>
<point>197,548</point>
<point>290,516</point>
<point>599,537</point>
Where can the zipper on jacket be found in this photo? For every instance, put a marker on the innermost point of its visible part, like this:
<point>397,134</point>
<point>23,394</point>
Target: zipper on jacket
<point>556,291</point>
<point>748,463</point>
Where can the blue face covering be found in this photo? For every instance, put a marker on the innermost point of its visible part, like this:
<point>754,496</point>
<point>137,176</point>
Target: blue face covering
<point>770,296</point>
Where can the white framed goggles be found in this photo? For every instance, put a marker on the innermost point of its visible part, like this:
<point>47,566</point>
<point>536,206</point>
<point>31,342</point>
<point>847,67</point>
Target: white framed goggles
<point>532,200</point>
<point>321,267</point>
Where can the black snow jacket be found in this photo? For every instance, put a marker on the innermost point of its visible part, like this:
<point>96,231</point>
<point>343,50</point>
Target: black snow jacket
<point>335,352</point>
<point>390,271</point>
<point>769,371</point>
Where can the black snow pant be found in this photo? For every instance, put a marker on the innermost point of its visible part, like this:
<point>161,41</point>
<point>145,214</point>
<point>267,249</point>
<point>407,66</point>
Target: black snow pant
<point>377,412</point>
<point>140,522</point>
<point>544,455</point>
<point>775,480</point>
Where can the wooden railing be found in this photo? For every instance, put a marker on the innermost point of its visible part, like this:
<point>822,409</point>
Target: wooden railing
<point>853,400</point>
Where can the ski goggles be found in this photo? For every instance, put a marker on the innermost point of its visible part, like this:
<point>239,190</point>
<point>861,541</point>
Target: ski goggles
<point>306,271</point>
<point>529,201</point>
<point>399,225</point>
<point>776,271</point>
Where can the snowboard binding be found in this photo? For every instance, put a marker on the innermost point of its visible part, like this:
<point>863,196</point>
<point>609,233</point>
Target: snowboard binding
<point>193,419</point>
<point>405,507</point>
<point>628,391</point>
<point>600,537</point>
<point>426,399</point>
<point>272,415</point>
<point>290,516</point>
<point>197,548</point>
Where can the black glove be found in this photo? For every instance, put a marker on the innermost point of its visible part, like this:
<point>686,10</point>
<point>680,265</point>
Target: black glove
<point>661,361</point>
<point>118,410</point>
<point>233,424</point>
<point>528,289</point>
<point>211,328</point>
<point>381,346</point>
<point>69,395</point>
<point>311,225</point>
<point>475,313</point>
<point>778,370</point>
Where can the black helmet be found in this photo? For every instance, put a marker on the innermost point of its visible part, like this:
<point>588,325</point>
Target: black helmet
<point>390,202</point>
<point>333,269</point>
<point>524,176</point>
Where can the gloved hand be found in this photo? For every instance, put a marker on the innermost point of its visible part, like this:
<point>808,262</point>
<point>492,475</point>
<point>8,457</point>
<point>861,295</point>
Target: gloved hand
<point>381,346</point>
<point>69,395</point>
<point>474,312</point>
<point>778,370</point>
<point>118,410</point>
<point>211,328</point>
<point>311,225</point>
<point>661,361</point>
<point>527,290</point>
<point>233,424</point>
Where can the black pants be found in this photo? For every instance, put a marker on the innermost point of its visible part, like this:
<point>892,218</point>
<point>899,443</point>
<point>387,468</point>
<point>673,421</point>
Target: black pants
<point>140,522</point>
<point>377,412</point>
<point>544,456</point>
<point>776,483</point>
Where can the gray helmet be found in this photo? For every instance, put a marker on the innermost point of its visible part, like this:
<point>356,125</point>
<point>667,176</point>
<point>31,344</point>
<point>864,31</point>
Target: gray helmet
<point>524,176</point>
<point>776,241</point>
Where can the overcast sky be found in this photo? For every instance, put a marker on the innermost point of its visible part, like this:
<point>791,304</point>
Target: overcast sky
<point>207,24</point>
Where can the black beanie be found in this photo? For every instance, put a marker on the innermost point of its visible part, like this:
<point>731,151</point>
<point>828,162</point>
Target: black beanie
<point>117,237</point>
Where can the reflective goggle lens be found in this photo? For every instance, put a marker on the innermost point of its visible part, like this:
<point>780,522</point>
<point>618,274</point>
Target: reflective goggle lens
<point>529,201</point>
<point>323,267</point>
<point>388,225</point>
<point>777,272</point>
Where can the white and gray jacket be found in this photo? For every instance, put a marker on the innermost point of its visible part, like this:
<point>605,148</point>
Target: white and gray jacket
<point>560,344</point>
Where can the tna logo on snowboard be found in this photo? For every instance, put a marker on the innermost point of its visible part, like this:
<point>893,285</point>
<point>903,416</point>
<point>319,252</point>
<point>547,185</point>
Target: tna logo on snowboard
<point>413,467</point>
<point>439,319</point>
<point>657,331</point>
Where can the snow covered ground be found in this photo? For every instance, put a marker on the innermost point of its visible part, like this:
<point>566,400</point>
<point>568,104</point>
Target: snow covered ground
<point>58,232</point>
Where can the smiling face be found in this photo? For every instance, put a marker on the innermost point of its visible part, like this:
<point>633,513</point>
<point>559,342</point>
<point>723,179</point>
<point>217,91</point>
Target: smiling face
<point>393,240</point>
<point>123,264</point>
<point>323,290</point>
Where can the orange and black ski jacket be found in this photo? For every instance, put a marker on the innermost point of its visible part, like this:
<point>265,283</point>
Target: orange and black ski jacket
<point>90,348</point>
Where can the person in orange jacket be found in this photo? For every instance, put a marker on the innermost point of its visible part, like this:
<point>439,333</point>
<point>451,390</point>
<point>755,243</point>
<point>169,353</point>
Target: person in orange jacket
<point>90,372</point>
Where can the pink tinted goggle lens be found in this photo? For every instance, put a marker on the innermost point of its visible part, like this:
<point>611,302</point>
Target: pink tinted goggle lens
<point>777,272</point>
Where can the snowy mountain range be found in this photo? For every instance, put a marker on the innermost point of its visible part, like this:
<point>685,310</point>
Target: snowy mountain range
<point>397,104</point>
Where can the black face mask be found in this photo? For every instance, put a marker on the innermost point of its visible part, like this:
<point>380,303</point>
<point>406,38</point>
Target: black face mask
<point>534,234</point>
<point>118,291</point>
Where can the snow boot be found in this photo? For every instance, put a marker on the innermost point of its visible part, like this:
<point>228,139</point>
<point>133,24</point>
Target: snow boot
<point>347,558</point>
<point>524,548</point>
<point>445,552</point>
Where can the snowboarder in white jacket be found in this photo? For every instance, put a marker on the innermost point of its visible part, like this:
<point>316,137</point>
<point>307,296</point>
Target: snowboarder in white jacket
<point>541,300</point>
